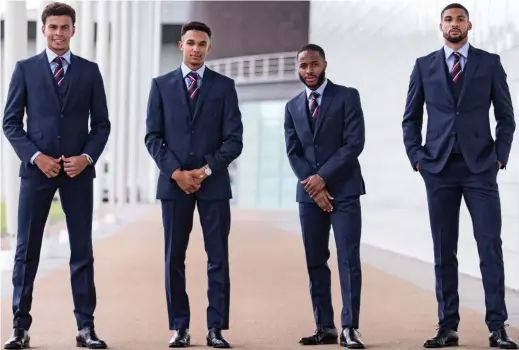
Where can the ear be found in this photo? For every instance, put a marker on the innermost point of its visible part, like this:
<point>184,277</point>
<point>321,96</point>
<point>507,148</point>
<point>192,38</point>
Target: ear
<point>209,47</point>
<point>73,31</point>
<point>325,64</point>
<point>470,25</point>
<point>441,27</point>
<point>181,45</point>
<point>43,29</point>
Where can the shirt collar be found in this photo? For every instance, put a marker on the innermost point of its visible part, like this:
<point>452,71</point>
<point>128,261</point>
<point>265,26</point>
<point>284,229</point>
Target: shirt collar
<point>319,90</point>
<point>51,55</point>
<point>186,70</point>
<point>464,50</point>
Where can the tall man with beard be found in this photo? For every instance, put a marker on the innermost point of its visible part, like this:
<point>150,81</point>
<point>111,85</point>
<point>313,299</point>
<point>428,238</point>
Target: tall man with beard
<point>324,134</point>
<point>461,159</point>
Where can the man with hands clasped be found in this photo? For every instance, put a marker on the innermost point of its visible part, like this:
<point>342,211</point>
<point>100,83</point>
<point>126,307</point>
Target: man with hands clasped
<point>324,135</point>
<point>61,94</point>
<point>193,132</point>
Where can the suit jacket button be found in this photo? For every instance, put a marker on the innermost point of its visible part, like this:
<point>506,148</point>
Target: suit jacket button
<point>191,153</point>
<point>318,164</point>
<point>61,116</point>
<point>457,113</point>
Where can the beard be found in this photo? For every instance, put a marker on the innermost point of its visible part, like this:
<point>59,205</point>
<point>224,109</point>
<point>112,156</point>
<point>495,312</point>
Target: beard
<point>455,39</point>
<point>320,80</point>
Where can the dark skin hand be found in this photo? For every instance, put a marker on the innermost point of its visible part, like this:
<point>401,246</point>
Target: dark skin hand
<point>323,200</point>
<point>73,166</point>
<point>48,165</point>
<point>313,185</point>
<point>188,180</point>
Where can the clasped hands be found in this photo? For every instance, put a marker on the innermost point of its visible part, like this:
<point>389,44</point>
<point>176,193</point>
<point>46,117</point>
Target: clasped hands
<point>315,187</point>
<point>51,167</point>
<point>189,181</point>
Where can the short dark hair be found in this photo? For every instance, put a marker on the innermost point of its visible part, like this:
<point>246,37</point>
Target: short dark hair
<point>455,5</point>
<point>58,9</point>
<point>314,48</point>
<point>199,26</point>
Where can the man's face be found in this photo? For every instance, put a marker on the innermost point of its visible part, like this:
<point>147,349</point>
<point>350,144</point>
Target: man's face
<point>455,25</point>
<point>58,30</point>
<point>312,68</point>
<point>195,45</point>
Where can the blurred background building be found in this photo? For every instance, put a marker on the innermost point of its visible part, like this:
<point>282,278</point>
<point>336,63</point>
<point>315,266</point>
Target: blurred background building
<point>370,45</point>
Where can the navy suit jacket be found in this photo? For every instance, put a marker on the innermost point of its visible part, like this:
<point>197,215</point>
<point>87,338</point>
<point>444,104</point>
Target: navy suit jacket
<point>332,151</point>
<point>176,139</point>
<point>53,128</point>
<point>468,119</point>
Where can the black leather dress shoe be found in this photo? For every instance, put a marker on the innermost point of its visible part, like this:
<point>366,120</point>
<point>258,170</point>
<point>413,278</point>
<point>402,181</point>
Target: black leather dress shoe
<point>87,338</point>
<point>444,338</point>
<point>322,335</point>
<point>499,339</point>
<point>19,340</point>
<point>181,339</point>
<point>216,340</point>
<point>350,338</point>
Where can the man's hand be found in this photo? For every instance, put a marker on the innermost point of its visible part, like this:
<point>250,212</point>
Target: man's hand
<point>186,181</point>
<point>198,175</point>
<point>75,165</point>
<point>313,185</point>
<point>323,199</point>
<point>499,164</point>
<point>48,165</point>
<point>417,167</point>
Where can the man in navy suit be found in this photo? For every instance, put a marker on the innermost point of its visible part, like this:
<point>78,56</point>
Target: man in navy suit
<point>58,92</point>
<point>193,132</point>
<point>461,159</point>
<point>324,134</point>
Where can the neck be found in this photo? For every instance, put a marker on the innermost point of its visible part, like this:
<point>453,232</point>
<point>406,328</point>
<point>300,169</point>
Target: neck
<point>59,52</point>
<point>193,67</point>
<point>456,46</point>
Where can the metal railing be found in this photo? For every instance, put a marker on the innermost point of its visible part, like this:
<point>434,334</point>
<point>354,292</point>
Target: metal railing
<point>268,68</point>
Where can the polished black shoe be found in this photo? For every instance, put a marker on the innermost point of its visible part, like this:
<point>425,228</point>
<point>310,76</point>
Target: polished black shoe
<point>322,335</point>
<point>216,340</point>
<point>499,339</point>
<point>350,338</point>
<point>19,340</point>
<point>87,338</point>
<point>180,339</point>
<point>444,338</point>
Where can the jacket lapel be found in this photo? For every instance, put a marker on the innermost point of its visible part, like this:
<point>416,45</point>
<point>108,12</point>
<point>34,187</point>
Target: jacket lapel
<point>438,70</point>
<point>73,74</point>
<point>328,94</point>
<point>302,115</point>
<point>47,77</point>
<point>205,87</point>
<point>180,94</point>
<point>471,67</point>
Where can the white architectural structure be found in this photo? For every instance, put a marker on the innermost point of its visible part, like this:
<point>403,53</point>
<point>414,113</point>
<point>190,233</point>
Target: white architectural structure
<point>374,51</point>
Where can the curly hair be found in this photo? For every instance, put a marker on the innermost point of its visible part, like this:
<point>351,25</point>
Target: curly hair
<point>58,9</point>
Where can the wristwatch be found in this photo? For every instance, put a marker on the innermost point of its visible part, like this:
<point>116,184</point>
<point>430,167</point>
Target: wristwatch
<point>207,170</point>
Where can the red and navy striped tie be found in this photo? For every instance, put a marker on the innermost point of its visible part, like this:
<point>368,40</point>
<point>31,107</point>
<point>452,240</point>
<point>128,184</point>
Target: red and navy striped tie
<point>193,85</point>
<point>59,72</point>
<point>456,69</point>
<point>314,105</point>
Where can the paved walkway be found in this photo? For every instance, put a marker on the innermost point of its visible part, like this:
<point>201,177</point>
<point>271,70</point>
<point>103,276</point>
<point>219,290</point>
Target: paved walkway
<point>270,306</point>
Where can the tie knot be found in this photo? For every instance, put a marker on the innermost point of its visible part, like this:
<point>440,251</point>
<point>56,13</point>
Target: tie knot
<point>59,59</point>
<point>193,76</point>
<point>314,95</point>
<point>457,55</point>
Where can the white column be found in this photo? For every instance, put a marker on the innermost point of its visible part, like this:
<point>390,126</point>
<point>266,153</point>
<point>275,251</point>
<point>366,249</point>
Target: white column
<point>155,65</point>
<point>102,48</point>
<point>86,29</point>
<point>15,26</point>
<point>134,113</point>
<point>75,42</point>
<point>121,141</point>
<point>41,41</point>
<point>115,54</point>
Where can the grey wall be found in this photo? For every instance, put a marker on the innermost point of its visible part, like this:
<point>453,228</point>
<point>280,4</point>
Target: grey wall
<point>243,28</point>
